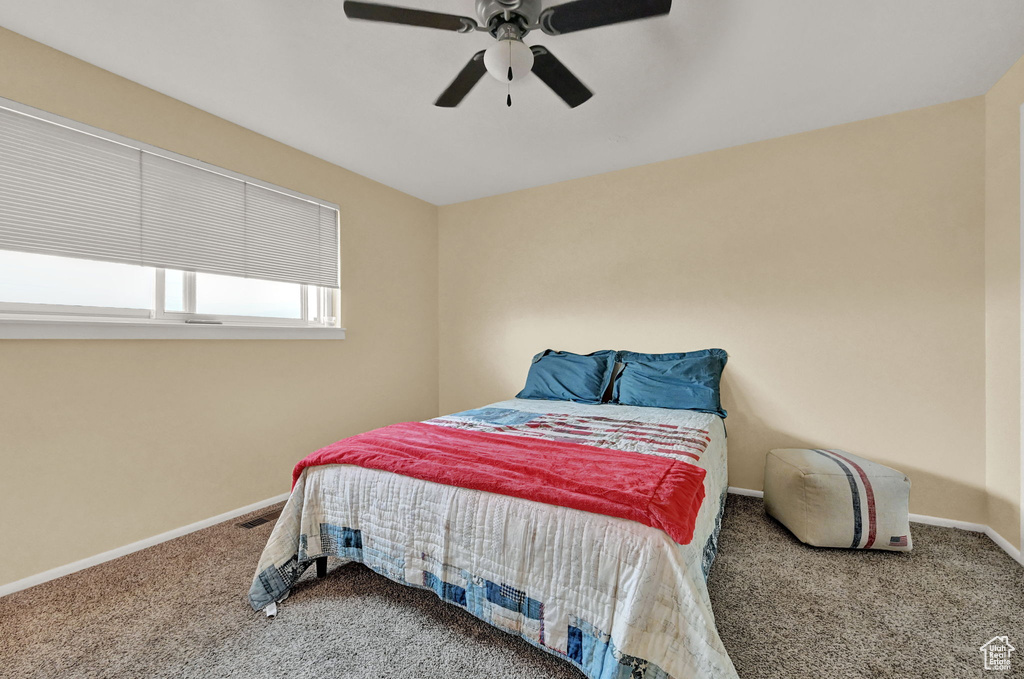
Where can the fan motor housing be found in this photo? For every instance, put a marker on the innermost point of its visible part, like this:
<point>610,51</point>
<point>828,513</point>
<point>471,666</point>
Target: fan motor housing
<point>528,11</point>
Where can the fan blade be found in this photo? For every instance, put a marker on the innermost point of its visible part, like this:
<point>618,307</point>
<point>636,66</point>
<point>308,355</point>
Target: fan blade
<point>583,14</point>
<point>464,82</point>
<point>411,17</point>
<point>560,79</point>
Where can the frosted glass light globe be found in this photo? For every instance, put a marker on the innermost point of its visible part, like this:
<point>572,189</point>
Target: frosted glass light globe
<point>505,53</point>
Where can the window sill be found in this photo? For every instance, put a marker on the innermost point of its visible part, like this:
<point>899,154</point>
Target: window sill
<point>152,330</point>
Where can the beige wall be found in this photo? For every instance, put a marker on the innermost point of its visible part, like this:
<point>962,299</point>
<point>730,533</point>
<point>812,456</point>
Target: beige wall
<point>106,442</point>
<point>1002,300</point>
<point>843,270</point>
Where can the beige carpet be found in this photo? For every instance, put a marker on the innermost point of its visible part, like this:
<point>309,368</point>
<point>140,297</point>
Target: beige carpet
<point>784,610</point>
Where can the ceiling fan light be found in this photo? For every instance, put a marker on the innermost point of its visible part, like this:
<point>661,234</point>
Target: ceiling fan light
<point>506,54</point>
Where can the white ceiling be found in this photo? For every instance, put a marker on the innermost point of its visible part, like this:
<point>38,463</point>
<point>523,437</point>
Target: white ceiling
<point>713,74</point>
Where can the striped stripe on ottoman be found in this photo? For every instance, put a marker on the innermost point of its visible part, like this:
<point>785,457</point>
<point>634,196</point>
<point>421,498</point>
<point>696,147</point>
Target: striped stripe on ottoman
<point>831,498</point>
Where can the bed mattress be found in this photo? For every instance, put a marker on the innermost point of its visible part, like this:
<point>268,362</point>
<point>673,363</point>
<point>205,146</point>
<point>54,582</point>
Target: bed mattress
<point>616,598</point>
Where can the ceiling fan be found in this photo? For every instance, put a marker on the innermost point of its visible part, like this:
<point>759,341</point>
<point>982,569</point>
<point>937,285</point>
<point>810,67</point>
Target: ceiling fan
<point>509,21</point>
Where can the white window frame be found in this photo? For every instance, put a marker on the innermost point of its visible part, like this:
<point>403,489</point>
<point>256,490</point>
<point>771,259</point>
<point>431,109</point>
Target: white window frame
<point>60,321</point>
<point>324,316</point>
<point>14,311</point>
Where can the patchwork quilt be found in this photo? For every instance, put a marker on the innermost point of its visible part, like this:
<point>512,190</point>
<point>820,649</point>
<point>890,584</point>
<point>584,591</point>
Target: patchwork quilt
<point>616,598</point>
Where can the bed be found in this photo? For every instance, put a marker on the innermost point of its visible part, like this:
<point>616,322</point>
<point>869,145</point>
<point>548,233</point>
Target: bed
<point>616,598</point>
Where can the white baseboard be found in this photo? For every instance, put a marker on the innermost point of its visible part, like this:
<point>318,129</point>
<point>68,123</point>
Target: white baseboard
<point>1003,543</point>
<point>67,569</point>
<point>948,523</point>
<point>1014,553</point>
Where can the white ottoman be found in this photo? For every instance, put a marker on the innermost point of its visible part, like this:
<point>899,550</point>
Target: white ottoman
<point>830,498</point>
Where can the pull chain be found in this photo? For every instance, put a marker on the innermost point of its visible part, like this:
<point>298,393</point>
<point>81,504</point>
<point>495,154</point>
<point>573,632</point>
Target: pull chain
<point>509,100</point>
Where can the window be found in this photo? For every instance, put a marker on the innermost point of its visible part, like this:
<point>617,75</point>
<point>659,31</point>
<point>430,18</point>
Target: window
<point>46,287</point>
<point>108,234</point>
<point>47,283</point>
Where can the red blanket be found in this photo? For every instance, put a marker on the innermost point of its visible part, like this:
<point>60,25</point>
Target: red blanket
<point>656,491</point>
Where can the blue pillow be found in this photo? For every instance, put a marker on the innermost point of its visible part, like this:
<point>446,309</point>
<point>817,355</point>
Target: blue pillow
<point>562,376</point>
<point>686,381</point>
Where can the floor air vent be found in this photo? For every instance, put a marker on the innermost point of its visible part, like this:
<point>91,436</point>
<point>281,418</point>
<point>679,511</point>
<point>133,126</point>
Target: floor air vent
<point>260,520</point>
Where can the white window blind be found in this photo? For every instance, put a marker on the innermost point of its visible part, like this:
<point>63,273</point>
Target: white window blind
<point>329,246</point>
<point>66,193</point>
<point>278,233</point>
<point>70,190</point>
<point>179,203</point>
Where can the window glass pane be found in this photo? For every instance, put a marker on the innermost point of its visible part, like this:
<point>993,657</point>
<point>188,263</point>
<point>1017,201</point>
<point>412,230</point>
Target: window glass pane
<point>46,279</point>
<point>174,290</point>
<point>230,296</point>
<point>311,303</point>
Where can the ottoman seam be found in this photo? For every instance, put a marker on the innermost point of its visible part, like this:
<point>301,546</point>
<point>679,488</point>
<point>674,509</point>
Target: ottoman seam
<point>785,461</point>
